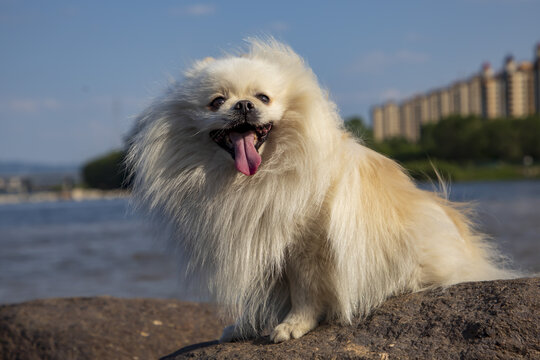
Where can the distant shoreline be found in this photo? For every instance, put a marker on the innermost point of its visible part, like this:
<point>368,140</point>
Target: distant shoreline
<point>420,170</point>
<point>53,196</point>
<point>424,170</point>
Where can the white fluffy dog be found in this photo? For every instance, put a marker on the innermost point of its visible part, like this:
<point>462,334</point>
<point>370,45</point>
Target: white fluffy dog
<point>286,218</point>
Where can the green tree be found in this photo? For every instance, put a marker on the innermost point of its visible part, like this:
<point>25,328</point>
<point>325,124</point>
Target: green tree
<point>470,139</point>
<point>503,138</point>
<point>529,136</point>
<point>106,172</point>
<point>455,138</point>
<point>357,127</point>
<point>400,149</point>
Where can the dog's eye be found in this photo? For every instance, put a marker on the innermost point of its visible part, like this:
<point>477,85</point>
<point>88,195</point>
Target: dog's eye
<point>217,102</point>
<point>265,99</point>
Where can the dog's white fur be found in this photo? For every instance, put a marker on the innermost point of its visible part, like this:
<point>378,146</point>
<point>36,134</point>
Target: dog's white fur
<point>327,228</point>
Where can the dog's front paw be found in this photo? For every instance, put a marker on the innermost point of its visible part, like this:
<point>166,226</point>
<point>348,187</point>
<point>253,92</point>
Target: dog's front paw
<point>288,329</point>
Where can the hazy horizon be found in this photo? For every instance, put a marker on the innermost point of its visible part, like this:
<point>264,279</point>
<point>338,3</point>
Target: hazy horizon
<point>75,75</point>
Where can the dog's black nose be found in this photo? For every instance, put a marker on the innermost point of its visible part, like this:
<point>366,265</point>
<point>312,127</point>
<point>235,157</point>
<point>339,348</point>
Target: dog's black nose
<point>244,106</point>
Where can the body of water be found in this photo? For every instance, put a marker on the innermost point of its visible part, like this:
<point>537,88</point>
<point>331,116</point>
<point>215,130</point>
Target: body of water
<point>60,249</point>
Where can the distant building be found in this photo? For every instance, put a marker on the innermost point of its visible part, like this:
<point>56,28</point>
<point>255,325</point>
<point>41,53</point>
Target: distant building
<point>434,107</point>
<point>15,185</point>
<point>474,88</point>
<point>407,121</point>
<point>492,104</point>
<point>391,121</point>
<point>514,92</point>
<point>527,70</point>
<point>516,83</point>
<point>445,103</point>
<point>459,93</point>
<point>377,122</point>
<point>422,109</point>
<point>32,182</point>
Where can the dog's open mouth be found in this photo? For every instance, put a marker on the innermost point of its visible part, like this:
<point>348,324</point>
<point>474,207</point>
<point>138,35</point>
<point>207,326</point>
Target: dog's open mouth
<point>243,141</point>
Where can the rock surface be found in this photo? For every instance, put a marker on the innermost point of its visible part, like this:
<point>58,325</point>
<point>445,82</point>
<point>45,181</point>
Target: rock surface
<point>103,328</point>
<point>484,320</point>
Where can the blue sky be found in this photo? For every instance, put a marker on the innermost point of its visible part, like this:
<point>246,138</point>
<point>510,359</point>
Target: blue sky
<point>73,74</point>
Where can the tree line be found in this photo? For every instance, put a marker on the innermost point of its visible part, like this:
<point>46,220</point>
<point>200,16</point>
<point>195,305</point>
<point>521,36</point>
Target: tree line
<point>456,139</point>
<point>106,172</point>
<point>462,139</point>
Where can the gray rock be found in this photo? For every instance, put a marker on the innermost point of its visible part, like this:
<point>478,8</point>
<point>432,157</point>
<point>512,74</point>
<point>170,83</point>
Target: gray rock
<point>481,320</point>
<point>103,328</point>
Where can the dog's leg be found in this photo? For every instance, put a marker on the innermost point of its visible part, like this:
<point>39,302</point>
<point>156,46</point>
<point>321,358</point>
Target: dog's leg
<point>306,305</point>
<point>230,333</point>
<point>235,333</point>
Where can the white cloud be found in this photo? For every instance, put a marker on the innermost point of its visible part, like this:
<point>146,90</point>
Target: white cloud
<point>279,26</point>
<point>411,57</point>
<point>376,61</point>
<point>413,37</point>
<point>30,105</point>
<point>200,9</point>
<point>392,94</point>
<point>354,97</point>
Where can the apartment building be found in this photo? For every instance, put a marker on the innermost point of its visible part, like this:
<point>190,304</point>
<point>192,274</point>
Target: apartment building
<point>408,120</point>
<point>433,106</point>
<point>459,93</point>
<point>474,88</point>
<point>492,104</point>
<point>513,92</point>
<point>391,120</point>
<point>377,123</point>
<point>516,82</point>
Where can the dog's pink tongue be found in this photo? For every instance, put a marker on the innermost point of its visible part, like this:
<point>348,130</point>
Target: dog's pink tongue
<point>246,157</point>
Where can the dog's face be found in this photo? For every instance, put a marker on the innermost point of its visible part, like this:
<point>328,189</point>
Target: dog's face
<point>238,101</point>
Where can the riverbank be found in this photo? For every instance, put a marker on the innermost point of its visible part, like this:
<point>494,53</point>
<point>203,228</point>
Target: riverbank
<point>419,170</point>
<point>77,194</point>
<point>479,320</point>
<point>423,170</point>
